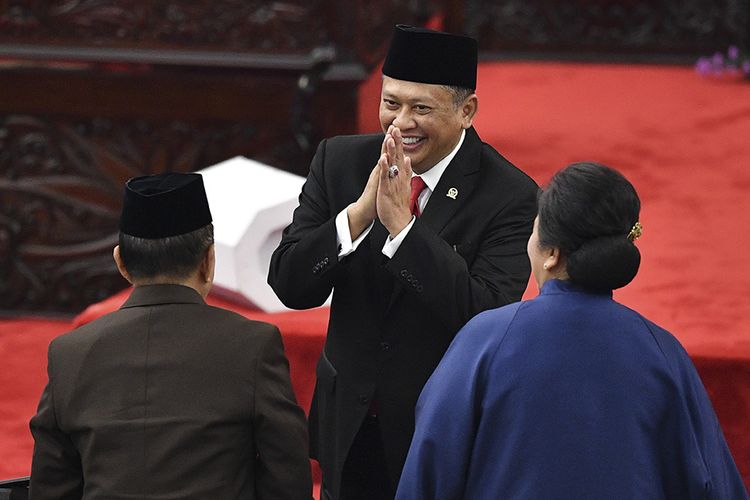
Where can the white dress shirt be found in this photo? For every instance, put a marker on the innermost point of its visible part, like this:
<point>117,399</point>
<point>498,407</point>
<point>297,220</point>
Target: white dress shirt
<point>431,178</point>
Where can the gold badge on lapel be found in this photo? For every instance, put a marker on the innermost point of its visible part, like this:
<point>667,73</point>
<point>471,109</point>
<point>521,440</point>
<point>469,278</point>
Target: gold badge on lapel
<point>452,193</point>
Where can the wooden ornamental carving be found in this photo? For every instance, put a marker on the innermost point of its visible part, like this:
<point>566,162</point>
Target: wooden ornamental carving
<point>651,29</point>
<point>245,25</point>
<point>364,28</point>
<point>61,194</point>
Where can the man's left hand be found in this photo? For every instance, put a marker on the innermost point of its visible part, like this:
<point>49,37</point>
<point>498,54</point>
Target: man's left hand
<point>394,191</point>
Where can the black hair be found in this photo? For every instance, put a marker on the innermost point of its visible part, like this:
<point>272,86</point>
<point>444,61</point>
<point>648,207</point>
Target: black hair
<point>588,211</point>
<point>174,257</point>
<point>459,94</point>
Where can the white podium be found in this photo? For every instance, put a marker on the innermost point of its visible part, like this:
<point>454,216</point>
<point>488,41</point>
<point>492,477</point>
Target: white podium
<point>251,203</point>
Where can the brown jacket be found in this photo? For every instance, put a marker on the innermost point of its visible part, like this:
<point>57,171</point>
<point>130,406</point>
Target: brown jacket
<point>169,398</point>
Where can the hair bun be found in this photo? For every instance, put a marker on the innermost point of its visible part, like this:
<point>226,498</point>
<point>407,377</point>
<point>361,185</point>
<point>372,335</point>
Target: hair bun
<point>604,263</point>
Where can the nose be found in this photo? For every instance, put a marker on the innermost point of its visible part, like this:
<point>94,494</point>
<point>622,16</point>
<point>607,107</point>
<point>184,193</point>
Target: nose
<point>404,119</point>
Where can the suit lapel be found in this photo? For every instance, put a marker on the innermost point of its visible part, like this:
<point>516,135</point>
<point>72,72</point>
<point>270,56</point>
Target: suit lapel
<point>455,185</point>
<point>458,181</point>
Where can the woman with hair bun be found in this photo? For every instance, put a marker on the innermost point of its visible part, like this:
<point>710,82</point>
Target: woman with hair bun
<point>570,395</point>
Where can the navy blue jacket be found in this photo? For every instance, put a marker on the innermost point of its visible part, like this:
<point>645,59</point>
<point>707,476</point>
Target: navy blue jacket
<point>569,395</point>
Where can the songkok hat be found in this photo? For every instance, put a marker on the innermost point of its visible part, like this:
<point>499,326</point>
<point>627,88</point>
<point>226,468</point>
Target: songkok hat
<point>162,205</point>
<point>426,56</point>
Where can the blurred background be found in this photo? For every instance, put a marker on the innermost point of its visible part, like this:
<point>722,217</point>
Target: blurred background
<point>93,92</point>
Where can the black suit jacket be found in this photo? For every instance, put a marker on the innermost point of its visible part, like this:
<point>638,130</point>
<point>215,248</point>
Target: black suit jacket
<point>392,319</point>
<point>169,398</point>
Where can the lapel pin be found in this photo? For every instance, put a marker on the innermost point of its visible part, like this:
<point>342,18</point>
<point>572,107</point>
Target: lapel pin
<point>452,193</point>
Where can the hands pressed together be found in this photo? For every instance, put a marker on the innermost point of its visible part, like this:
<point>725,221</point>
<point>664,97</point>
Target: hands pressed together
<point>385,197</point>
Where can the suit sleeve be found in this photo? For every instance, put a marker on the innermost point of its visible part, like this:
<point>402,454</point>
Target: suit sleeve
<point>455,290</point>
<point>283,466</point>
<point>301,267</point>
<point>56,471</point>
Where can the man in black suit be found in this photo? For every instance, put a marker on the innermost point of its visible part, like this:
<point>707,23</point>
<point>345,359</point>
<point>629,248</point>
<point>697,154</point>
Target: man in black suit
<point>409,258</point>
<point>169,397</point>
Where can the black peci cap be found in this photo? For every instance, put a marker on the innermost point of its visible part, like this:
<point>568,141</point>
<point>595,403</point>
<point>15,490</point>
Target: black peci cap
<point>426,56</point>
<point>162,205</point>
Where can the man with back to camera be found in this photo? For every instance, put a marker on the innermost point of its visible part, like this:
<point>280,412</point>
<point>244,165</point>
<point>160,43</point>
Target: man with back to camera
<point>169,397</point>
<point>406,274</point>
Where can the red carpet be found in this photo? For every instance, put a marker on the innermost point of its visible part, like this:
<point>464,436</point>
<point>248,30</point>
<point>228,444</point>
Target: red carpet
<point>680,138</point>
<point>23,350</point>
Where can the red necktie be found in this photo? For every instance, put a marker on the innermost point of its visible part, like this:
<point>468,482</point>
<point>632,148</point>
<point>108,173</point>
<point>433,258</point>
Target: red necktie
<point>417,185</point>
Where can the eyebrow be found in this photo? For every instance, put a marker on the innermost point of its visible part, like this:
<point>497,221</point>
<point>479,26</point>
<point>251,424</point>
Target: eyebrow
<point>411,100</point>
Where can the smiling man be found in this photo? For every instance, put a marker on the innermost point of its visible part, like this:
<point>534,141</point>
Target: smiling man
<point>414,231</point>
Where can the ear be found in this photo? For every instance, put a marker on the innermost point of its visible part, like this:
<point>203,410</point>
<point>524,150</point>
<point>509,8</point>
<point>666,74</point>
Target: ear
<point>208,265</point>
<point>121,265</point>
<point>553,259</point>
<point>469,110</point>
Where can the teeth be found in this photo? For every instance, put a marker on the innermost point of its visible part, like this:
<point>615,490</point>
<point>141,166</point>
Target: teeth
<point>412,140</point>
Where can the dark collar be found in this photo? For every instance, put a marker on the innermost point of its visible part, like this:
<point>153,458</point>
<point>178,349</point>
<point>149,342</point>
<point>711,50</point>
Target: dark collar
<point>148,295</point>
<point>470,152</point>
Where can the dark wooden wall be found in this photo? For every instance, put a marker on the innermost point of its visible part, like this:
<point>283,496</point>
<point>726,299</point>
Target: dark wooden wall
<point>93,92</point>
<point>673,31</point>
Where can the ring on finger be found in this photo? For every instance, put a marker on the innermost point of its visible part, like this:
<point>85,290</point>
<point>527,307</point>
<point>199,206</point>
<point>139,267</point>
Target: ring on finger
<point>392,171</point>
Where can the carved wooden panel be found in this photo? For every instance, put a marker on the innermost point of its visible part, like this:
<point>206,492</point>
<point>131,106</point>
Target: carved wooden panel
<point>254,25</point>
<point>659,28</point>
<point>61,192</point>
<point>358,30</point>
<point>365,27</point>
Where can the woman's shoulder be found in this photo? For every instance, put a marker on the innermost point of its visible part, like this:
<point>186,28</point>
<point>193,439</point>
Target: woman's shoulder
<point>490,326</point>
<point>499,315</point>
<point>668,343</point>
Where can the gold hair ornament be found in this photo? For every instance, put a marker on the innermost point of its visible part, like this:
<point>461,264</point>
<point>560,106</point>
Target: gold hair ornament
<point>635,232</point>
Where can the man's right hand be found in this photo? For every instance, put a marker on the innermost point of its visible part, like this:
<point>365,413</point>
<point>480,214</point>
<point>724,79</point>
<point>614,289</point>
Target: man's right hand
<point>362,212</point>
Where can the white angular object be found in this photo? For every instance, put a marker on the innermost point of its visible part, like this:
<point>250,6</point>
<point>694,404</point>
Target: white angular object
<point>251,204</point>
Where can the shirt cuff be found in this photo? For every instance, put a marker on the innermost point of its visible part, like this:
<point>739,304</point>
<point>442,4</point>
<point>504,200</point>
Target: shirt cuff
<point>344,236</point>
<point>391,245</point>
